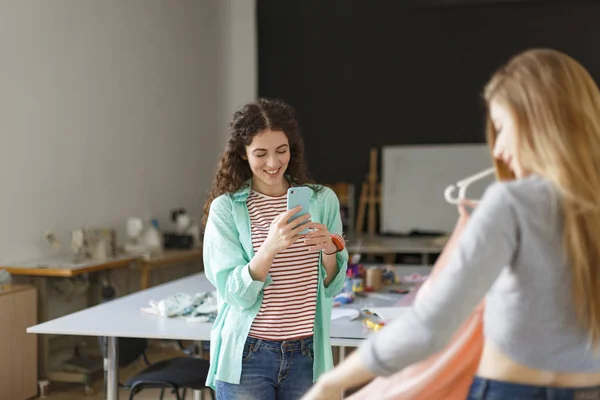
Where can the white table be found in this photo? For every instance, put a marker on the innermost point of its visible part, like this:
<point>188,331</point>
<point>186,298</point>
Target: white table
<point>62,266</point>
<point>122,317</point>
<point>346,333</point>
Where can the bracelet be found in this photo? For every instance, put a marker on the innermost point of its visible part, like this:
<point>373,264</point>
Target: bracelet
<point>339,243</point>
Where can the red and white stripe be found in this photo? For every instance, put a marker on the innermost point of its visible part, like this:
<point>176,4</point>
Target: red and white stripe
<point>289,303</point>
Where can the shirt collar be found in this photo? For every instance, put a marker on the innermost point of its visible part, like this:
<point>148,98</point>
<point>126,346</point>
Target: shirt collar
<point>242,194</point>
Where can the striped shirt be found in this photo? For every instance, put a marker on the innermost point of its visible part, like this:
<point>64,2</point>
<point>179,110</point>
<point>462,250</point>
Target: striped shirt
<point>289,303</point>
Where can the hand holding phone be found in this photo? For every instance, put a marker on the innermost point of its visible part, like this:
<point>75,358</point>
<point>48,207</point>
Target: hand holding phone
<point>319,239</point>
<point>299,196</point>
<point>285,230</point>
<point>287,227</point>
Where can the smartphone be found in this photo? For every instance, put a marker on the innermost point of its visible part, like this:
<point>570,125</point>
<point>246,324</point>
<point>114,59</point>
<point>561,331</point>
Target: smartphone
<point>299,196</point>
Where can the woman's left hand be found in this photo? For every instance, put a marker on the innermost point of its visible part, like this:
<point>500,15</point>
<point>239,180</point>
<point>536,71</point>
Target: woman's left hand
<point>324,389</point>
<point>319,239</point>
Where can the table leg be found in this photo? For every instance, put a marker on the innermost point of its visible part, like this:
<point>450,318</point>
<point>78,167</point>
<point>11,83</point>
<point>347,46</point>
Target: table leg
<point>198,394</point>
<point>145,276</point>
<point>341,357</point>
<point>341,353</point>
<point>41,284</point>
<point>112,369</point>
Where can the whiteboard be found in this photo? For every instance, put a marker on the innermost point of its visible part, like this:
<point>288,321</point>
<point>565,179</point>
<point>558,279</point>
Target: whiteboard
<point>414,179</point>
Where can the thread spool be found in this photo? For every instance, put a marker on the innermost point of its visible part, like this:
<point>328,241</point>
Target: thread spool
<point>374,278</point>
<point>357,285</point>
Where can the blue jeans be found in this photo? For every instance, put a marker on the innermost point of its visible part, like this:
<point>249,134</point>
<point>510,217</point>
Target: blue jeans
<point>272,370</point>
<point>487,389</point>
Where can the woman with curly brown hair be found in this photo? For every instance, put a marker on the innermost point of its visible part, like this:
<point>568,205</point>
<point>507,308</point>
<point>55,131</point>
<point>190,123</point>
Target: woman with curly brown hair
<point>275,285</point>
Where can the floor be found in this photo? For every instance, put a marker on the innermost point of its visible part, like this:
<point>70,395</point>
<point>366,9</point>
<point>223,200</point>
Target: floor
<point>59,391</point>
<point>157,351</point>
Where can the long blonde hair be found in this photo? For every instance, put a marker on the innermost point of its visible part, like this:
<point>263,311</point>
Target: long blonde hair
<point>556,106</point>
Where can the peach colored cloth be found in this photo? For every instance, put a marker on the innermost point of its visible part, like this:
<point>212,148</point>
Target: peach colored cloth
<point>446,375</point>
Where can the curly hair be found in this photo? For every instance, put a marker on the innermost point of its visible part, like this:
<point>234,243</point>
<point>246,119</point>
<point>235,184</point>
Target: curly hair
<point>252,119</point>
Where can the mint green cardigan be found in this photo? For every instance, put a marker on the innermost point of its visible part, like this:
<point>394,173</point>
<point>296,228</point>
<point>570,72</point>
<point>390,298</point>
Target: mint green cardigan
<point>227,253</point>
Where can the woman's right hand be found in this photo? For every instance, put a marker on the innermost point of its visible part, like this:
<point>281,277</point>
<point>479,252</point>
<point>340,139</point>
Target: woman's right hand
<point>282,234</point>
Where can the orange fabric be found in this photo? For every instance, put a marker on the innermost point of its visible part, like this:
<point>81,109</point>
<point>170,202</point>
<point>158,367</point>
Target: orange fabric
<point>446,375</point>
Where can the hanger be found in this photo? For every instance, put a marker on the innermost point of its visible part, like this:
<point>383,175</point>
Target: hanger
<point>463,185</point>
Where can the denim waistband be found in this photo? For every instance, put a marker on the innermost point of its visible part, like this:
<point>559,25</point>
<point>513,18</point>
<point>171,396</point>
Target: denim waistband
<point>488,388</point>
<point>295,344</point>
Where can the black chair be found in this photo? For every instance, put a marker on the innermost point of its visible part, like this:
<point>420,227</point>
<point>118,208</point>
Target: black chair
<point>176,374</point>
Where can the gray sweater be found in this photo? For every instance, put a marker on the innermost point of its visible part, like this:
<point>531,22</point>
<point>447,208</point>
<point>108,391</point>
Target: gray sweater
<point>511,253</point>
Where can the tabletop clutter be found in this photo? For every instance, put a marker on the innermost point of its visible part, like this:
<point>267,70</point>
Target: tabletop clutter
<point>144,237</point>
<point>5,280</point>
<point>362,280</point>
<point>199,307</point>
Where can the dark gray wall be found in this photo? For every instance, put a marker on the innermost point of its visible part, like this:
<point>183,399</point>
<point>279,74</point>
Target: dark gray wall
<point>372,73</point>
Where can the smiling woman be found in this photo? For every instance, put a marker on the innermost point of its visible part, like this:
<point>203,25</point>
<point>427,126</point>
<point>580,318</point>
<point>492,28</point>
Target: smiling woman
<point>268,157</point>
<point>261,130</point>
<point>274,284</point>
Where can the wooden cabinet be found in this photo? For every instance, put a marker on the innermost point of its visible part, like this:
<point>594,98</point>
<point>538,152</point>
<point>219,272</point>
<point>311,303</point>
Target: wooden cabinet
<point>18,349</point>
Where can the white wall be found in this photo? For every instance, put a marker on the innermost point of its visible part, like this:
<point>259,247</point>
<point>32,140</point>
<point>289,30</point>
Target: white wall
<point>239,56</point>
<point>113,108</point>
<point>107,109</point>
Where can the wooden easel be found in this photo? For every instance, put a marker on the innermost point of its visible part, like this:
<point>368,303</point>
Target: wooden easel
<point>370,197</point>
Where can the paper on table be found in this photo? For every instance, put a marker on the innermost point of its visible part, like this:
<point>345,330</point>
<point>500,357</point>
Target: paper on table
<point>344,312</point>
<point>388,313</point>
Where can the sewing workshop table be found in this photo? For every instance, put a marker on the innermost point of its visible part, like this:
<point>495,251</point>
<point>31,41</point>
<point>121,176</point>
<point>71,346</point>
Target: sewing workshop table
<point>123,317</point>
<point>169,257</point>
<point>389,246</point>
<point>61,267</point>
<point>350,333</point>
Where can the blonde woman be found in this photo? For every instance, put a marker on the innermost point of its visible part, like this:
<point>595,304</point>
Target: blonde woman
<point>531,248</point>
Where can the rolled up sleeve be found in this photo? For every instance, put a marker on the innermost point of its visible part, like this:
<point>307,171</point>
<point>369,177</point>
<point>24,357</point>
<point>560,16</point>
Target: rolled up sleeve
<point>333,221</point>
<point>226,264</point>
